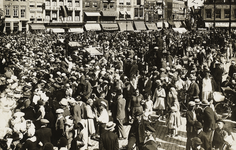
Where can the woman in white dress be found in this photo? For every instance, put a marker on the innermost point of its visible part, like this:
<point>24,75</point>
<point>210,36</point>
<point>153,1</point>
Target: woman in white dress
<point>159,98</point>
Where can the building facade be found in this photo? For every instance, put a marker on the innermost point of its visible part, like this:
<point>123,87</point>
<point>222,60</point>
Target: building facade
<point>54,19</point>
<point>17,15</point>
<point>179,12</point>
<point>225,13</point>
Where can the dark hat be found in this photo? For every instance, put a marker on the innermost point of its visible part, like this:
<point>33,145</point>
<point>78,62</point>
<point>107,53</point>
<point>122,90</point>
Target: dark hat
<point>149,128</point>
<point>79,125</point>
<point>198,125</point>
<point>40,102</point>
<point>62,142</point>
<point>220,120</point>
<point>196,141</point>
<point>138,113</point>
<point>48,146</point>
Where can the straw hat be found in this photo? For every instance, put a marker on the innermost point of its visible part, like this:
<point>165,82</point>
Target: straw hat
<point>110,125</point>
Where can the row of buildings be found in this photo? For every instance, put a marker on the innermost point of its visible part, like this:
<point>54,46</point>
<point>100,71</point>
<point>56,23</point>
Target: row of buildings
<point>24,15</point>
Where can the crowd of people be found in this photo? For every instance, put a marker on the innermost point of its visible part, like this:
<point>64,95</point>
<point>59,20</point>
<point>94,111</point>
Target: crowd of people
<point>61,96</point>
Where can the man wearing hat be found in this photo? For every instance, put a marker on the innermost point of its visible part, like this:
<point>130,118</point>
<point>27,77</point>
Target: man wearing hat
<point>59,125</point>
<point>220,134</point>
<point>193,89</point>
<point>202,135</point>
<point>109,140</point>
<point>190,120</point>
<point>198,109</point>
<point>196,144</point>
<point>149,142</point>
<point>44,134</point>
<point>217,74</point>
<point>209,118</point>
<point>137,131</point>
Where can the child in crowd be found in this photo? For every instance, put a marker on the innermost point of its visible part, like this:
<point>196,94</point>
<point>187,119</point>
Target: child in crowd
<point>171,122</point>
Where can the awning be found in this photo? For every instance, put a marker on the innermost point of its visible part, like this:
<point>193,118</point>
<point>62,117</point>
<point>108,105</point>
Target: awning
<point>208,24</point>
<point>93,27</point>
<point>151,26</point>
<point>109,13</point>
<point>159,24</point>
<point>126,26</point>
<point>140,25</point>
<point>75,44</point>
<point>110,27</point>
<point>37,26</point>
<point>180,30</point>
<point>92,14</point>
<point>177,24</point>
<point>93,51</point>
<point>56,30</point>
<point>76,30</point>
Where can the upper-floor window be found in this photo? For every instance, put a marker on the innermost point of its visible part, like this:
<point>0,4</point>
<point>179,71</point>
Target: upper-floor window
<point>7,8</point>
<point>218,13</point>
<point>22,12</point>
<point>227,11</point>
<point>111,5</point>
<point>70,3</point>
<point>77,2</point>
<point>95,4</point>
<point>15,11</point>
<point>208,13</point>
<point>127,2</point>
<point>138,2</point>
<point>121,2</point>
<point>86,4</point>
<point>105,5</point>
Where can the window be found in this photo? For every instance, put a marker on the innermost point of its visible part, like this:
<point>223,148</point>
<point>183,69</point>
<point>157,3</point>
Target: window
<point>218,13</point>
<point>32,4</point>
<point>54,14</point>
<point>138,12</point>
<point>15,0</point>
<point>234,13</point>
<point>7,11</point>
<point>69,18</point>
<point>15,11</point>
<point>121,2</point>
<point>39,19</point>
<point>47,3</point>
<point>135,12</point>
<point>105,6</point>
<point>86,4</point>
<point>70,3</point>
<point>111,5</point>
<point>77,14</point>
<point>127,2</point>
<point>77,3</point>
<point>227,11</point>
<point>54,2</point>
<point>32,19</point>
<point>39,5</point>
<point>23,0</point>
<point>208,13</point>
<point>22,12</point>
<point>138,2</point>
<point>47,15</point>
<point>95,4</point>
<point>121,15</point>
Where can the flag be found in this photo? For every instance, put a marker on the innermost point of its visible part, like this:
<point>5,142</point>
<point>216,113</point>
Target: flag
<point>64,11</point>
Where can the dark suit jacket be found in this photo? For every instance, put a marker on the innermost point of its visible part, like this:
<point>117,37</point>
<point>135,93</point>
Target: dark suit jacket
<point>150,145</point>
<point>108,141</point>
<point>209,118</point>
<point>205,142</point>
<point>120,108</point>
<point>148,87</point>
<point>193,90</point>
<point>138,130</point>
<point>190,123</point>
<point>43,135</point>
